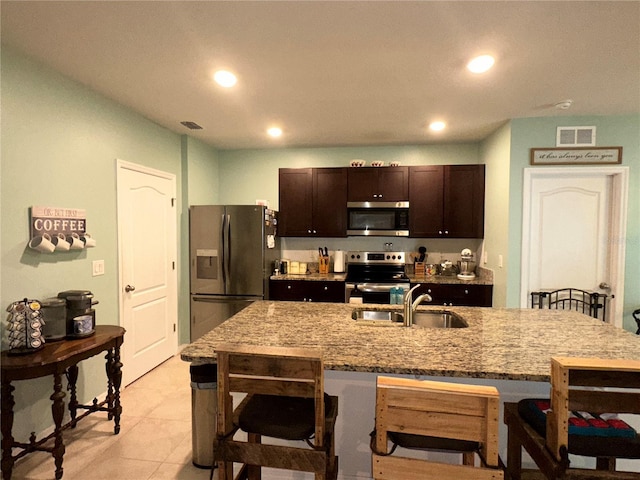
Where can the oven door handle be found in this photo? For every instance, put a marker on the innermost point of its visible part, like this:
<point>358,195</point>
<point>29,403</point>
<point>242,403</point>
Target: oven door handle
<point>375,288</point>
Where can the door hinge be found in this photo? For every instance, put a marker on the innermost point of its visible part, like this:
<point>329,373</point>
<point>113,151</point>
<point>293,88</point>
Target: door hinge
<point>173,202</point>
<point>173,265</point>
<point>174,327</point>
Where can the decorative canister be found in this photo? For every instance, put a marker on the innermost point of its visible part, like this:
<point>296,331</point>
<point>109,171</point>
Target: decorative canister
<point>54,312</point>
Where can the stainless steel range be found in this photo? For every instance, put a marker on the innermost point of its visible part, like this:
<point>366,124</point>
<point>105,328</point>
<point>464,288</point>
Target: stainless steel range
<point>372,275</point>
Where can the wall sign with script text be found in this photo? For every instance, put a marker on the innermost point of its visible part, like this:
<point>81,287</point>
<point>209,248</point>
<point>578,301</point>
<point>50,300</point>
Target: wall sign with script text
<point>59,229</point>
<point>576,156</point>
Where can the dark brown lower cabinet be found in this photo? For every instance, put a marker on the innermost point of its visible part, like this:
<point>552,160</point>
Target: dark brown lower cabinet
<point>457,294</point>
<point>306,291</point>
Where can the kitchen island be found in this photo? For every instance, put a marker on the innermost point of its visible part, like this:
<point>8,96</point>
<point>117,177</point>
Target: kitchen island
<point>508,348</point>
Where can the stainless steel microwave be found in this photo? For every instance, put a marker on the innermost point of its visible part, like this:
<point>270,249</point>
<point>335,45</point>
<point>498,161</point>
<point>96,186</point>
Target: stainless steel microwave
<point>388,219</point>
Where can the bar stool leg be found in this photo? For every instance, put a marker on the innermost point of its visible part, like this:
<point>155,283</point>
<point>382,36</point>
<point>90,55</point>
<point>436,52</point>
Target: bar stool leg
<point>7,426</point>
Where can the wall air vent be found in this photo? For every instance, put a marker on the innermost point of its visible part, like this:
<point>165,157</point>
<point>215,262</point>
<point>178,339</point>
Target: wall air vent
<point>191,125</point>
<point>576,137</point>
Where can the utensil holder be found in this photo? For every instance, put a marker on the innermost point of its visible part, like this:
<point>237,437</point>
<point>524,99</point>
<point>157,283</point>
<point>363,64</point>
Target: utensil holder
<point>419,268</point>
<point>323,265</point>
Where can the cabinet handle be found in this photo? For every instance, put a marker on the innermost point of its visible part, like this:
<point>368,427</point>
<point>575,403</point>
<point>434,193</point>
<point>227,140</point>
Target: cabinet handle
<point>315,231</point>
<point>428,290</point>
<point>440,232</point>
<point>288,287</point>
<point>446,232</point>
<point>380,196</point>
<point>375,195</point>
<point>466,292</point>
<point>326,288</point>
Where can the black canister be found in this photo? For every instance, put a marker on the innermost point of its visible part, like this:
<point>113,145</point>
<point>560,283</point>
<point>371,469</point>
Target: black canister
<point>54,314</point>
<point>81,318</point>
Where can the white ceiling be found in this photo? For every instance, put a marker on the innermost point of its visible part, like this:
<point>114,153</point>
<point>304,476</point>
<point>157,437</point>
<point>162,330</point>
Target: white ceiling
<point>340,73</point>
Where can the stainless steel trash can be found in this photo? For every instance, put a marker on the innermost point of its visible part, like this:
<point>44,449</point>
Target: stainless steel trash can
<point>204,404</point>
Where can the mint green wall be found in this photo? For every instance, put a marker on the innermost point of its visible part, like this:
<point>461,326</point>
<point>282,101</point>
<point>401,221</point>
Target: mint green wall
<point>620,130</point>
<point>247,175</point>
<point>60,142</point>
<point>495,153</point>
<point>200,187</point>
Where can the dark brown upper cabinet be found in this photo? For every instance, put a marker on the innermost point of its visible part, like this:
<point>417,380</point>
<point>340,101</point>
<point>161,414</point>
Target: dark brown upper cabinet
<point>446,201</point>
<point>378,184</point>
<point>312,202</point>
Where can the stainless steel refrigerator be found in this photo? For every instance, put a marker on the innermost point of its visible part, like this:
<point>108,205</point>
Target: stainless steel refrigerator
<point>232,249</point>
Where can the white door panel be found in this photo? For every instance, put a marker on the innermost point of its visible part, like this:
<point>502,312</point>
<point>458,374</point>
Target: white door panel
<point>568,243</point>
<point>147,255</point>
<point>573,218</point>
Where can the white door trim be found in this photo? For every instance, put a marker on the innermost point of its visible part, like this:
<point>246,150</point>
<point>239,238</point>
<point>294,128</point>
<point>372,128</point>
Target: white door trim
<point>122,165</point>
<point>617,234</point>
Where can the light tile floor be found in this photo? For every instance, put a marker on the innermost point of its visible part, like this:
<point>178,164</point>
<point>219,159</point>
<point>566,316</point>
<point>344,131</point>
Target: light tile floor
<point>154,441</point>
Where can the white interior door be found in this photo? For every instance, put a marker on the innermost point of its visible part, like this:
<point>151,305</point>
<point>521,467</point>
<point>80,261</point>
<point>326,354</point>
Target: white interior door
<point>571,227</point>
<point>147,258</point>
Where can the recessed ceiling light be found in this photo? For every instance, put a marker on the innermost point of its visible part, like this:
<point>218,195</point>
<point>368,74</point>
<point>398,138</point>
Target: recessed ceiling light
<point>274,132</point>
<point>481,64</point>
<point>437,126</point>
<point>224,78</point>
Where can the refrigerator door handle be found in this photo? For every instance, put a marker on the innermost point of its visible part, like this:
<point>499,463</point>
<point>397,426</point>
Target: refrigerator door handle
<point>223,256</point>
<point>229,247</point>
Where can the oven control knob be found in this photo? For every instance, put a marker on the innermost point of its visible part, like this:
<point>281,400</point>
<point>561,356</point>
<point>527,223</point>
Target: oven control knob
<point>358,256</point>
<point>399,257</point>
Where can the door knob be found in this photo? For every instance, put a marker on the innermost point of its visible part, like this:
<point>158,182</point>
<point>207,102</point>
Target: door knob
<point>604,286</point>
<point>129,288</point>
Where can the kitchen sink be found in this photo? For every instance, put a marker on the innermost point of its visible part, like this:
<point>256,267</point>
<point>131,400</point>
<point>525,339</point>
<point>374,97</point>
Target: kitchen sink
<point>377,316</point>
<point>428,319</point>
<point>438,319</point>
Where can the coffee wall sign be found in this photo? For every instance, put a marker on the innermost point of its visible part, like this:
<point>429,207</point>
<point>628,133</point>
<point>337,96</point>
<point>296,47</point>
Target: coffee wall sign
<point>59,229</point>
<point>576,156</point>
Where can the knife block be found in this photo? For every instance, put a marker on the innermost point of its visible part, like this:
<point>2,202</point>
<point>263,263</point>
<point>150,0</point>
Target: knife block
<point>323,265</point>
<point>419,269</point>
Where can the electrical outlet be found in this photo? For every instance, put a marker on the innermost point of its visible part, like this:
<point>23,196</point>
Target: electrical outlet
<point>98,267</point>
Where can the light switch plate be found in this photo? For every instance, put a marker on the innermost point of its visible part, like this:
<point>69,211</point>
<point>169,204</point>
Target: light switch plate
<point>98,267</point>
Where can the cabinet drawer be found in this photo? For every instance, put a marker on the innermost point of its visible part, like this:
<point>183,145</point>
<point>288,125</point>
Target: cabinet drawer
<point>458,294</point>
<point>306,291</point>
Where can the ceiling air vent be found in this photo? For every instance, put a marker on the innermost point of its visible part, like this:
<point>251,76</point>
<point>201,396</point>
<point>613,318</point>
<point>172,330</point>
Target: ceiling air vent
<point>576,137</point>
<point>191,125</point>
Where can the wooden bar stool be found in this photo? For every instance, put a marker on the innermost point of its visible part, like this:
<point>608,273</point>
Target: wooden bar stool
<point>426,415</point>
<point>573,420</point>
<point>285,400</point>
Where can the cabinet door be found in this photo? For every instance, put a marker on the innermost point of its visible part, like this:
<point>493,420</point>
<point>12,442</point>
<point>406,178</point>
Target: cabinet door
<point>464,201</point>
<point>426,208</point>
<point>362,184</point>
<point>328,291</point>
<point>295,202</point>
<point>286,290</point>
<point>393,184</point>
<point>457,294</point>
<point>330,202</point>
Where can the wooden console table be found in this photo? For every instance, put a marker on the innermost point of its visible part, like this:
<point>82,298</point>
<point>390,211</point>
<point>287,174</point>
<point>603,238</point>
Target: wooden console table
<point>58,358</point>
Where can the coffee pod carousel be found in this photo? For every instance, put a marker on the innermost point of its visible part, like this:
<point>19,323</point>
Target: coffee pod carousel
<point>24,327</point>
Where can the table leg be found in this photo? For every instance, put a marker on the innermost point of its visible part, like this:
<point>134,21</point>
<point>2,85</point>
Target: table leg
<point>7,426</point>
<point>114,373</point>
<point>109,366</point>
<point>72,377</point>
<point>57,411</point>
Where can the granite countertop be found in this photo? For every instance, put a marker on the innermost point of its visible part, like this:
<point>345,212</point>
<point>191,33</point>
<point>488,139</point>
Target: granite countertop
<point>318,277</point>
<point>341,277</point>
<point>509,344</point>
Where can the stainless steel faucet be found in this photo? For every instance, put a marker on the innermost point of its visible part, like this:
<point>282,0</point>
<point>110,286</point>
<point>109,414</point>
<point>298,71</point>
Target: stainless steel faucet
<point>410,305</point>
